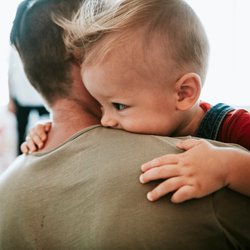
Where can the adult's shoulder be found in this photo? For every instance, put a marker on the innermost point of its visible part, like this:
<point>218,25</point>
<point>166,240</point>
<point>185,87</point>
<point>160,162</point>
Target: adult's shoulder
<point>114,141</point>
<point>13,168</point>
<point>231,210</point>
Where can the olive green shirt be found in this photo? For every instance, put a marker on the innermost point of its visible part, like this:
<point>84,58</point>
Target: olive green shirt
<point>86,194</point>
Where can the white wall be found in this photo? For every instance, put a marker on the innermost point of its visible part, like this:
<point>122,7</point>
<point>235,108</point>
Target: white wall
<point>7,14</point>
<point>227,25</point>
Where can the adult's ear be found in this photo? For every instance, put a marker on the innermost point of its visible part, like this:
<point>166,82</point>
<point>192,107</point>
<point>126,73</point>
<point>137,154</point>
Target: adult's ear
<point>188,91</point>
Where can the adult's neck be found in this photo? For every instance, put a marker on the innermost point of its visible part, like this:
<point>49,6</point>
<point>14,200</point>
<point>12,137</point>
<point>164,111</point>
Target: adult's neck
<point>68,118</point>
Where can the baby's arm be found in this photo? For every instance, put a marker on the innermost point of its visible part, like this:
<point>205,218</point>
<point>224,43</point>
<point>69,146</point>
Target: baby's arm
<point>36,138</point>
<point>202,169</point>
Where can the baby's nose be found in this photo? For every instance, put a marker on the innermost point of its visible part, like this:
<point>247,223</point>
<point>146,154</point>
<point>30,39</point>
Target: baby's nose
<point>109,122</point>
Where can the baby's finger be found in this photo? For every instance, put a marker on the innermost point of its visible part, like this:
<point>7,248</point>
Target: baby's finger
<point>24,148</point>
<point>165,187</point>
<point>162,172</point>
<point>39,131</point>
<point>184,193</point>
<point>163,160</point>
<point>47,126</point>
<point>30,144</point>
<point>37,141</point>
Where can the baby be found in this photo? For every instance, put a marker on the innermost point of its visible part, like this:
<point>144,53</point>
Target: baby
<point>147,71</point>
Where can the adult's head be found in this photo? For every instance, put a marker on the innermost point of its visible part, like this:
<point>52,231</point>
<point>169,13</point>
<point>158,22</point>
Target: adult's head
<point>39,42</point>
<point>50,68</point>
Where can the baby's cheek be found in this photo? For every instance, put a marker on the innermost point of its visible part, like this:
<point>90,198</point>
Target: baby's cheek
<point>135,126</point>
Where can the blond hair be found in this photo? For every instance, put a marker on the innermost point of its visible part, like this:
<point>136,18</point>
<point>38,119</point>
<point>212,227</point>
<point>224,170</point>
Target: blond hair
<point>175,21</point>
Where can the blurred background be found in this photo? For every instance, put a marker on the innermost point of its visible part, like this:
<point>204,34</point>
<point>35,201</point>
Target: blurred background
<point>20,105</point>
<point>227,26</point>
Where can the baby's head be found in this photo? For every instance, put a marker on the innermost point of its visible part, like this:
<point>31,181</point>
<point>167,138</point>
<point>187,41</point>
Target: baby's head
<point>144,61</point>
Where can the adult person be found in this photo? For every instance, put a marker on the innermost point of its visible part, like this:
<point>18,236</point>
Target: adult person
<point>82,191</point>
<point>23,98</point>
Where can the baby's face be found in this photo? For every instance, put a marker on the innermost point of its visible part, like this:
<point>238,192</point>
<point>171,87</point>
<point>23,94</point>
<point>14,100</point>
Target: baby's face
<point>128,105</point>
<point>132,92</point>
<point>131,101</point>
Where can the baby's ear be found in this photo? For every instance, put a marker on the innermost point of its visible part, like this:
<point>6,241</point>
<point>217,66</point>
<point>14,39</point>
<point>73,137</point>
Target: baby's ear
<point>188,91</point>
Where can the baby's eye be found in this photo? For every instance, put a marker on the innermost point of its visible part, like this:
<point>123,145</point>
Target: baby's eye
<point>119,106</point>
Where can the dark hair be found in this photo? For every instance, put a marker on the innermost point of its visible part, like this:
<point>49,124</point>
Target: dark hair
<point>40,44</point>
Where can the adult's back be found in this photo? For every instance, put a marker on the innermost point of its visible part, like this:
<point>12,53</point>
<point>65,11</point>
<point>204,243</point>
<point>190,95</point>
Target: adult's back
<point>85,194</point>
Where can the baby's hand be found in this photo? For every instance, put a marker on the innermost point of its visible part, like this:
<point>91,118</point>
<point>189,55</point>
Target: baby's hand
<point>195,173</point>
<point>36,138</point>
